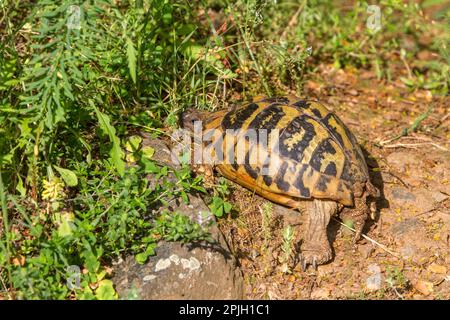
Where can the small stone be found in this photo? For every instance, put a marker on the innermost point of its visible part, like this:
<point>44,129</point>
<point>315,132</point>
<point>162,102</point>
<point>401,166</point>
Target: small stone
<point>321,293</point>
<point>402,194</point>
<point>325,270</point>
<point>436,268</point>
<point>254,254</point>
<point>353,92</point>
<point>366,250</point>
<point>424,287</point>
<point>373,283</point>
<point>408,251</point>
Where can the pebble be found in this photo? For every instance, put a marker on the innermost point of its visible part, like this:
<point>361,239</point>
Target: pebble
<point>373,282</point>
<point>402,194</point>
<point>366,250</point>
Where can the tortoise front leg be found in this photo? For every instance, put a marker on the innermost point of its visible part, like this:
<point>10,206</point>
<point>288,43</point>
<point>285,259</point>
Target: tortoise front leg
<point>316,248</point>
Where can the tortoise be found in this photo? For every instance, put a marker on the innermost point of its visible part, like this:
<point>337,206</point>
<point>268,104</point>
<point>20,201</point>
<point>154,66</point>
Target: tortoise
<point>316,160</point>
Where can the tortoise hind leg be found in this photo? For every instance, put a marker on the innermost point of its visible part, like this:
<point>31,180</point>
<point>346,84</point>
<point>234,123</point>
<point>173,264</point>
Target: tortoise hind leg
<point>316,247</point>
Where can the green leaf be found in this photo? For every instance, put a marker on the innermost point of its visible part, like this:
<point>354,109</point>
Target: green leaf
<point>106,291</point>
<point>142,257</point>
<point>220,207</point>
<point>91,261</point>
<point>20,187</point>
<point>116,152</point>
<point>131,55</point>
<point>148,152</point>
<point>66,225</point>
<point>69,177</point>
<point>133,143</point>
<point>349,223</point>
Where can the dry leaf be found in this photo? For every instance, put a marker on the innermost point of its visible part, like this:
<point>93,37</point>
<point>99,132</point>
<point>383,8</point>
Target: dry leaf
<point>424,287</point>
<point>436,268</point>
<point>18,261</point>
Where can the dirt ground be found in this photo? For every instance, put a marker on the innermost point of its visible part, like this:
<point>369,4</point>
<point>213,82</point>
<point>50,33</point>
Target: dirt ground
<point>412,227</point>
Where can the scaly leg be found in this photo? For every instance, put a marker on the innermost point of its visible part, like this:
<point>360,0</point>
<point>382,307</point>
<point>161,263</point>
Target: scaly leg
<point>316,248</point>
<point>358,215</point>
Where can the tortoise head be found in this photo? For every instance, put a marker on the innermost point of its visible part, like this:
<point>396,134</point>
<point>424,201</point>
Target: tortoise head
<point>190,116</point>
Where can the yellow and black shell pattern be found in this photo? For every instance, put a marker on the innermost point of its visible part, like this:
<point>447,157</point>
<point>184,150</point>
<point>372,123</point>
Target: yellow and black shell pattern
<point>317,155</point>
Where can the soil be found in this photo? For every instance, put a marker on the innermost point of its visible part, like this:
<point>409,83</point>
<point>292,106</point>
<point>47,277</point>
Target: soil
<point>411,259</point>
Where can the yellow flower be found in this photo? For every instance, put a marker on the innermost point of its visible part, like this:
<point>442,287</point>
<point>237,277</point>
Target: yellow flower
<point>53,189</point>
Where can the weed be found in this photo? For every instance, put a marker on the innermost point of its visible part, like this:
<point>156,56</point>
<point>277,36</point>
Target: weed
<point>287,247</point>
<point>266,223</point>
<point>397,281</point>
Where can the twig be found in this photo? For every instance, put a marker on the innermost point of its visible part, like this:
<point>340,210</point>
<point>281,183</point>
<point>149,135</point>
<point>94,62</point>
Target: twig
<point>412,128</point>
<point>425,212</point>
<point>445,117</point>
<point>408,69</point>
<point>399,179</point>
<point>382,246</point>
<point>6,288</point>
<point>414,145</point>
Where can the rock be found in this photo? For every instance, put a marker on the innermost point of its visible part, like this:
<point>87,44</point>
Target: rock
<point>402,195</point>
<point>405,226</point>
<point>420,200</point>
<point>366,250</point>
<point>321,293</point>
<point>424,287</point>
<point>373,282</point>
<point>181,272</point>
<point>192,271</point>
<point>435,268</point>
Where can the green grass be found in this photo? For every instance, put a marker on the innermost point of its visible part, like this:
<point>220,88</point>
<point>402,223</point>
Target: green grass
<point>71,94</point>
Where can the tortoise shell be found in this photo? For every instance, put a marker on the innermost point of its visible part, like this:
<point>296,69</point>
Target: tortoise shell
<point>316,157</point>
